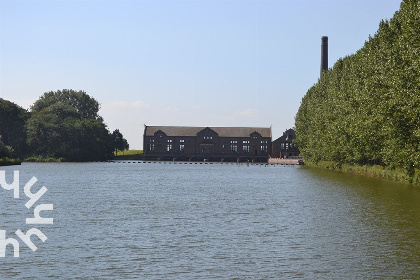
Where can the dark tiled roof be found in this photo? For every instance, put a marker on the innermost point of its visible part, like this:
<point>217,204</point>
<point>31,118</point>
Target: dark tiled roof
<point>288,136</point>
<point>221,131</point>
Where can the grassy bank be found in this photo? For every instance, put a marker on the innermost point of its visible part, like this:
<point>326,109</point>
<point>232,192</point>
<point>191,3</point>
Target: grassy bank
<point>43,159</point>
<point>9,161</point>
<point>130,154</point>
<point>396,174</point>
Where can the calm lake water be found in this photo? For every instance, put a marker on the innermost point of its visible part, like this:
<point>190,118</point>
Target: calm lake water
<point>212,221</point>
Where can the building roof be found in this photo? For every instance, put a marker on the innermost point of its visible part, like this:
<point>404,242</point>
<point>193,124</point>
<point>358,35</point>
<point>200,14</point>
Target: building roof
<point>221,131</point>
<point>288,136</point>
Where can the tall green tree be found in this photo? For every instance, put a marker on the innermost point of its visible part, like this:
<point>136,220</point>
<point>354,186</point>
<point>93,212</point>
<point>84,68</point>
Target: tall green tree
<point>86,106</point>
<point>66,124</point>
<point>366,109</point>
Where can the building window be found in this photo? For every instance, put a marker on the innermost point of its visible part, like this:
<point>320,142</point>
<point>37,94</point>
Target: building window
<point>151,140</point>
<point>245,142</point>
<point>169,140</point>
<point>234,148</point>
<point>208,137</point>
<point>245,149</point>
<point>151,147</point>
<point>181,147</point>
<point>181,141</point>
<point>263,148</point>
<point>168,147</point>
<point>233,141</point>
<point>282,145</point>
<point>264,142</point>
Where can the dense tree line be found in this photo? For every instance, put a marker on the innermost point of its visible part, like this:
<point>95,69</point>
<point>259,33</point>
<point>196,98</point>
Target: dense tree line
<point>62,124</point>
<point>12,129</point>
<point>366,109</point>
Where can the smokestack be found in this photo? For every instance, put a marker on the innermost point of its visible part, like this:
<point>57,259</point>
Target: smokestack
<point>324,54</point>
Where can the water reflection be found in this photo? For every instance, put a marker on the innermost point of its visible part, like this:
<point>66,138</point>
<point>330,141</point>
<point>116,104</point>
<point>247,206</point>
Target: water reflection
<point>383,221</point>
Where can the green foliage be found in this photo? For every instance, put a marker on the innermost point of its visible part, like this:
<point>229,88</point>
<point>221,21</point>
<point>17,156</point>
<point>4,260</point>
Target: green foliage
<point>62,126</point>
<point>5,151</point>
<point>80,103</point>
<point>65,124</point>
<point>119,142</point>
<point>12,127</point>
<point>7,161</point>
<point>43,159</point>
<point>366,109</point>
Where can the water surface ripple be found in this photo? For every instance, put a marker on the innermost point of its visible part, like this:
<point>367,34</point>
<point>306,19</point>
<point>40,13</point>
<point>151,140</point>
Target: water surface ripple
<point>213,221</point>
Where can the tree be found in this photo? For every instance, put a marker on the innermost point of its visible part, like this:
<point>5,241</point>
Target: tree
<point>5,151</point>
<point>54,133</point>
<point>366,109</point>
<point>85,106</point>
<point>12,127</point>
<point>119,142</point>
<point>65,124</point>
<point>95,141</point>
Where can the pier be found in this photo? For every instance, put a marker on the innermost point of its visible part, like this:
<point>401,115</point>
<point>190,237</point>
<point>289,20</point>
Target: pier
<point>285,161</point>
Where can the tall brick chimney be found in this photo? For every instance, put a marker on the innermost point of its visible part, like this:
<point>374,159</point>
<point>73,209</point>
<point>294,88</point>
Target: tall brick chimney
<point>324,54</point>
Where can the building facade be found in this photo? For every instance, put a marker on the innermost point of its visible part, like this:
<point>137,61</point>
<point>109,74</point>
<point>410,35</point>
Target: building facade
<point>283,147</point>
<point>207,143</point>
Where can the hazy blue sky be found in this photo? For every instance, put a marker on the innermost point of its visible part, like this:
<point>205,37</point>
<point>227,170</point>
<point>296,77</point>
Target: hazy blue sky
<point>192,63</point>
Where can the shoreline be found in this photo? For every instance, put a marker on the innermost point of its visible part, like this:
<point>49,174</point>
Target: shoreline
<point>9,161</point>
<point>397,174</point>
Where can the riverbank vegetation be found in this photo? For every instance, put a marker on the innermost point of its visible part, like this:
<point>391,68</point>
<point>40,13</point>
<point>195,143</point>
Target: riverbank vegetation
<point>60,126</point>
<point>9,161</point>
<point>396,174</point>
<point>365,111</point>
<point>5,154</point>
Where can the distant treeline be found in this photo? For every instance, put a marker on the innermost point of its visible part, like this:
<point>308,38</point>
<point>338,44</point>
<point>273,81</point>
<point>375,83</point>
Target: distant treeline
<point>366,109</point>
<point>61,125</point>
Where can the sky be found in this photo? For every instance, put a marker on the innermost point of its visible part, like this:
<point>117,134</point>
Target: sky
<point>180,62</point>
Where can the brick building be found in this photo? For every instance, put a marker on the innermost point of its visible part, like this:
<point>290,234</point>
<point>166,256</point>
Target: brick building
<point>283,147</point>
<point>207,143</point>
